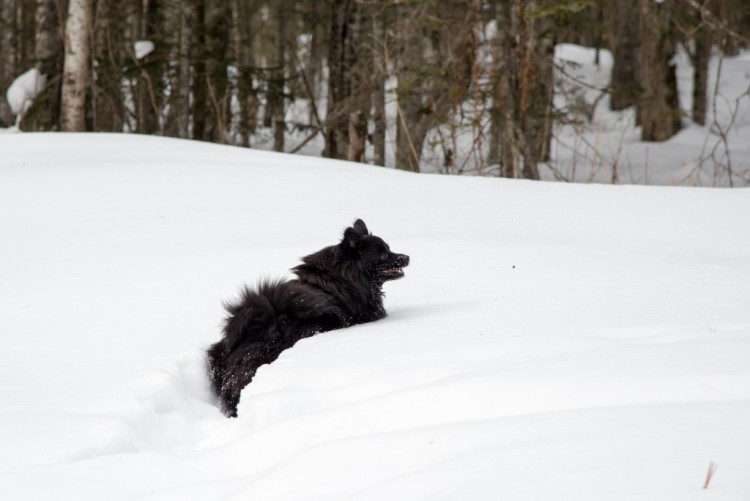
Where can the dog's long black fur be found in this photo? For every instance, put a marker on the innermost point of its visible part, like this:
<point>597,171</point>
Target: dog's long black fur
<point>336,287</point>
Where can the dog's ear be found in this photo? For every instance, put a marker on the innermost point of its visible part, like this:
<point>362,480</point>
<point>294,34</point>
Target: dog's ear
<point>361,227</point>
<point>353,235</point>
<point>352,239</point>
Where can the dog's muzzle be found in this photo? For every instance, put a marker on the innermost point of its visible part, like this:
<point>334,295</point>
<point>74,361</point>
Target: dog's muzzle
<point>396,267</point>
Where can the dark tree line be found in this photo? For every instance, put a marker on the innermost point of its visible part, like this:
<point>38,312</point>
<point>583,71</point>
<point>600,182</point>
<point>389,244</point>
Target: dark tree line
<point>230,71</point>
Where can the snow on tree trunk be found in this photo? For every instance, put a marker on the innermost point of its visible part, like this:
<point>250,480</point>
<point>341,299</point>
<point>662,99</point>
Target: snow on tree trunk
<point>76,70</point>
<point>22,92</point>
<point>143,48</point>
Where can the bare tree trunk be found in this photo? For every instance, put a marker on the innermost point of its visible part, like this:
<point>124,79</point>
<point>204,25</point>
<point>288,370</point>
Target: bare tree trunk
<point>25,30</point>
<point>76,71</point>
<point>658,105</point>
<point>47,32</point>
<point>44,113</point>
<point>537,88</point>
<point>7,69</point>
<point>378,75</point>
<point>216,12</point>
<point>524,93</point>
<point>182,101</point>
<point>319,45</point>
<point>279,79</point>
<point>729,12</point>
<point>210,72</point>
<point>360,76</point>
<point>434,71</point>
<point>108,101</point>
<point>339,83</point>
<point>700,77</point>
<point>493,155</point>
<point>151,84</point>
<point>625,88</point>
<point>507,91</point>
<point>7,57</point>
<point>242,45</point>
<point>141,100</point>
<point>200,87</point>
<point>410,113</point>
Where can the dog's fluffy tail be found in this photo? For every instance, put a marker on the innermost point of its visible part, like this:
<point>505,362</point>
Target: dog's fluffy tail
<point>231,371</point>
<point>259,326</point>
<point>216,368</point>
<point>231,367</point>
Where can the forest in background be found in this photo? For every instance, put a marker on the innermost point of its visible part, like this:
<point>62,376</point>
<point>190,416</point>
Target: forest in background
<point>249,72</point>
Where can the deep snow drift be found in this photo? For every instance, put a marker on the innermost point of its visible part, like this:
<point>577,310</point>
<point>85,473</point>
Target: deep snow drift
<point>549,341</point>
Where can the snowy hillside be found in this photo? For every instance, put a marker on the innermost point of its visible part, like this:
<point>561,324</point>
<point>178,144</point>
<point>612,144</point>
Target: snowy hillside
<point>549,340</point>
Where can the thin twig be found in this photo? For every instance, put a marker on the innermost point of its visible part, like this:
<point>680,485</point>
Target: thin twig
<point>408,135</point>
<point>309,138</point>
<point>561,68</point>
<point>149,85</point>
<point>711,470</point>
<point>217,109</point>
<point>306,82</point>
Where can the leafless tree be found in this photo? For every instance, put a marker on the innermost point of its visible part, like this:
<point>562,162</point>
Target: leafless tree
<point>76,70</point>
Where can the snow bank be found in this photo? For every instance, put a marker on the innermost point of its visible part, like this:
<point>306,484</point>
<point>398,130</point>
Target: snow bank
<point>549,341</point>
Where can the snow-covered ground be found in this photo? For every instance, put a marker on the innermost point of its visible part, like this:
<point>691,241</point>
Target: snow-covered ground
<point>550,340</point>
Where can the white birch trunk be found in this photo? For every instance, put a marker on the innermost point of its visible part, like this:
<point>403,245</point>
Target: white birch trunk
<point>76,70</point>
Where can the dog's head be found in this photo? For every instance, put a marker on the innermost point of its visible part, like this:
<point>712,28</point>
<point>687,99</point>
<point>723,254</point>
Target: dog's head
<point>378,262</point>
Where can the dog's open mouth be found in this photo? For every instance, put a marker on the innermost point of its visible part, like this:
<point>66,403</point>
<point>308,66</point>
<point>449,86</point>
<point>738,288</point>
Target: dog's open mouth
<point>392,272</point>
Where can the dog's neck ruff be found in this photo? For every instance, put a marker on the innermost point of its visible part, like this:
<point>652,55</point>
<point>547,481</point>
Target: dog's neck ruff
<point>345,283</point>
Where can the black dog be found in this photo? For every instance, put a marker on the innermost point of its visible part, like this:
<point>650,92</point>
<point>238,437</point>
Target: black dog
<point>336,287</point>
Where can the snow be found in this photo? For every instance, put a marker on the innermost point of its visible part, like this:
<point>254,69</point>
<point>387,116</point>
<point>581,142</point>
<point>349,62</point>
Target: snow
<point>24,89</point>
<point>549,340</point>
<point>143,48</point>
